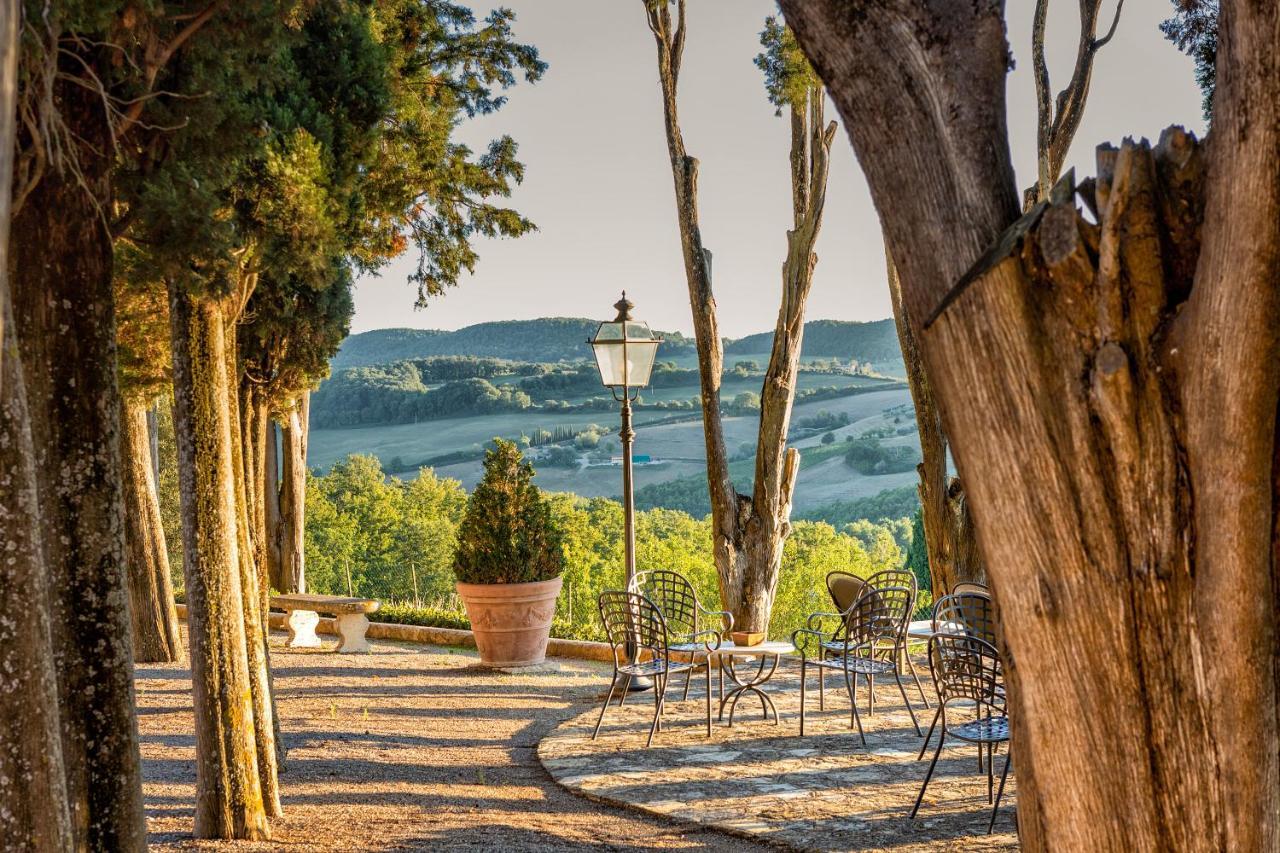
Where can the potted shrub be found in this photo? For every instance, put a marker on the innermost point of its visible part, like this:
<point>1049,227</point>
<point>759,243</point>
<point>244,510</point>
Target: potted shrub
<point>508,561</point>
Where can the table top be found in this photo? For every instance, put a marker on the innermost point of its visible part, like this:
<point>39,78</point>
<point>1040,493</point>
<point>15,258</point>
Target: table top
<point>769,647</point>
<point>923,629</point>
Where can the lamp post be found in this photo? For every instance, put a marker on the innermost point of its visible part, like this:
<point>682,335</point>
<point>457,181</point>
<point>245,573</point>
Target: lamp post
<point>625,350</point>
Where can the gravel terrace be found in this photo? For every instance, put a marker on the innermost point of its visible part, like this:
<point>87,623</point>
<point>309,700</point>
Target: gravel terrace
<point>418,748</point>
<point>407,748</point>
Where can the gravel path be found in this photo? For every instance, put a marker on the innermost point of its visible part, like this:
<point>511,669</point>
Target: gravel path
<point>408,748</point>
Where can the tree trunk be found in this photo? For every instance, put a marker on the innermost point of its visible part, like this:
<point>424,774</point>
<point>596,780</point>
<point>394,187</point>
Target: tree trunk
<point>229,800</point>
<point>293,497</point>
<point>749,531</point>
<point>257,425</point>
<point>274,520</point>
<point>255,623</point>
<point>63,312</point>
<point>33,782</point>
<point>950,539</point>
<point>156,638</point>
<point>1114,387</point>
<point>33,779</point>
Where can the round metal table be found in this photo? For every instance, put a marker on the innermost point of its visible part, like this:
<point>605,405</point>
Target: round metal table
<point>761,662</point>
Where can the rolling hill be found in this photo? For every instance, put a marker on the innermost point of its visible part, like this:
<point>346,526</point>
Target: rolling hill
<point>549,339</point>
<point>553,339</point>
<point>873,341</point>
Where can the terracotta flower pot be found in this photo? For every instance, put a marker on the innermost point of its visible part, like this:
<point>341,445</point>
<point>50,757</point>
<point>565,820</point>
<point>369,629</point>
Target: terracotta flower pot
<point>511,621</point>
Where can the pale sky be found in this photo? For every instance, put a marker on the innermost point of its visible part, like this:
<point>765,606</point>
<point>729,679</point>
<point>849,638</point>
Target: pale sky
<point>598,181</point>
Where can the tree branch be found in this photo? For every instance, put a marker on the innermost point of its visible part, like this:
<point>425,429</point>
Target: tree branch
<point>154,66</point>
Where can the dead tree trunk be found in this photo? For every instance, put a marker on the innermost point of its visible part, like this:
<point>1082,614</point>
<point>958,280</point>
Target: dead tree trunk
<point>1113,389</point>
<point>749,531</point>
<point>293,497</point>
<point>1059,118</point>
<point>64,316</point>
<point>229,801</point>
<point>949,536</point>
<point>154,617</point>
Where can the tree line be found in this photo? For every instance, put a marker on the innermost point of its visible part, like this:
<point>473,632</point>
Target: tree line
<point>393,539</point>
<point>416,390</point>
<point>194,188</point>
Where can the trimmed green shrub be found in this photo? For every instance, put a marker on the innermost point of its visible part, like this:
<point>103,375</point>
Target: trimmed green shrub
<point>508,534</point>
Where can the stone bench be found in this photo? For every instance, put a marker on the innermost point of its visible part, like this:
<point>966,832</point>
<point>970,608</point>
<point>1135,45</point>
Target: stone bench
<point>303,615</point>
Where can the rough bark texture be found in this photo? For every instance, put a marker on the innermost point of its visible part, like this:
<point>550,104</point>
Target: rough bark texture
<point>1113,387</point>
<point>151,606</point>
<point>229,801</point>
<point>33,785</point>
<point>253,409</point>
<point>749,531</point>
<point>255,628</point>
<point>271,506</point>
<point>293,497</point>
<point>950,538</point>
<point>63,312</point>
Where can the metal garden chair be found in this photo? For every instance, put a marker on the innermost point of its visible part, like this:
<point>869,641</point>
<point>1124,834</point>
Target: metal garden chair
<point>969,614</point>
<point>633,622</point>
<point>684,612</point>
<point>868,642</point>
<point>968,669</point>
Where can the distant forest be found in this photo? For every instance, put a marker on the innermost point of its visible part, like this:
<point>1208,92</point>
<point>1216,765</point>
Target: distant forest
<point>393,376</point>
<point>874,341</point>
<point>554,339</point>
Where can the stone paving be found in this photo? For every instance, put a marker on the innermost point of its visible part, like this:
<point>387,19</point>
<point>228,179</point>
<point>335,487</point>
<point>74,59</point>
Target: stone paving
<point>821,792</point>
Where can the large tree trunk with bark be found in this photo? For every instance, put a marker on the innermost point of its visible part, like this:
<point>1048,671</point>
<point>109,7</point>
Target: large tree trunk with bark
<point>748,531</point>
<point>154,617</point>
<point>63,312</point>
<point>229,801</point>
<point>950,539</point>
<point>293,497</point>
<point>33,782</point>
<point>1113,389</point>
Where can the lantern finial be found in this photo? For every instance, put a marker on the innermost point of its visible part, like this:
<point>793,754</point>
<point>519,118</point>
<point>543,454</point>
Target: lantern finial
<point>624,306</point>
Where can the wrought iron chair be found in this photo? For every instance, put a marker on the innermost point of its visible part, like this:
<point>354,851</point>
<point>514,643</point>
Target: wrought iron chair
<point>680,606</point>
<point>634,624</point>
<point>968,614</point>
<point>968,669</point>
<point>867,642</point>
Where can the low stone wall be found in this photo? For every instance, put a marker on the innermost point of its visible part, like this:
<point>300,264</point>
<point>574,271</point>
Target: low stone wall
<point>427,635</point>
